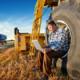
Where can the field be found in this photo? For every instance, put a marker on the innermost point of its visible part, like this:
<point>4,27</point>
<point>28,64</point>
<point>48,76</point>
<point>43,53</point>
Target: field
<point>17,66</point>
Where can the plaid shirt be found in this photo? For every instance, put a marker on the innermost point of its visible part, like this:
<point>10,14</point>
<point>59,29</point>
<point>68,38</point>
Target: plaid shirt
<point>58,40</point>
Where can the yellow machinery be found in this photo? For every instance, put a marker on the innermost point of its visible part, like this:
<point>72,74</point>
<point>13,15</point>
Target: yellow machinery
<point>23,41</point>
<point>69,13</point>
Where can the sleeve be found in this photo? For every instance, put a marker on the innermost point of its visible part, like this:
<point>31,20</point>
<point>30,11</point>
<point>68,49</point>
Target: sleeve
<point>58,42</point>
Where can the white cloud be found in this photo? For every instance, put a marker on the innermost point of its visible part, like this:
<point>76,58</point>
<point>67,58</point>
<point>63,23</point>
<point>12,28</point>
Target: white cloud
<point>7,27</point>
<point>24,25</point>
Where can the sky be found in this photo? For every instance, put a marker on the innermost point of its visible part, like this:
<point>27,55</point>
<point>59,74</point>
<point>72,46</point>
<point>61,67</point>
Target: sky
<point>19,13</point>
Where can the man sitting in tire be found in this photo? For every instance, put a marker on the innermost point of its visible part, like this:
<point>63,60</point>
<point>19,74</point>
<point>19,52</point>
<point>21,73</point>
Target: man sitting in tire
<point>57,48</point>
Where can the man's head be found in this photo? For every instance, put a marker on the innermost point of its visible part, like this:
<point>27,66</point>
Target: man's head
<point>52,26</point>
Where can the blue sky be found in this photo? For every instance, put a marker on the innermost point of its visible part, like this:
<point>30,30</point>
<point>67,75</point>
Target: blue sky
<point>19,13</point>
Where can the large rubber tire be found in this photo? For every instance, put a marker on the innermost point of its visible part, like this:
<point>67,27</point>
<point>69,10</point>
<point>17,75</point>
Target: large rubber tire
<point>71,17</point>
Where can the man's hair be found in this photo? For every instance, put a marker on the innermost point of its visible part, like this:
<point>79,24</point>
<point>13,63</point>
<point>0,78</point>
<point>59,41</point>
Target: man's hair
<point>51,23</point>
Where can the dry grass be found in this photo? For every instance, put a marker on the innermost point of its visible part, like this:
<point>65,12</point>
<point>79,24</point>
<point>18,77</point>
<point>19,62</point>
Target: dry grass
<point>15,66</point>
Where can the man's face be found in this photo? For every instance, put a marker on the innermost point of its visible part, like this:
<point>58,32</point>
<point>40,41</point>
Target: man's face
<point>51,28</point>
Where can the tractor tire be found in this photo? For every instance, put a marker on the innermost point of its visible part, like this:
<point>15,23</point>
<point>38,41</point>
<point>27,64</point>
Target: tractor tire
<point>72,18</point>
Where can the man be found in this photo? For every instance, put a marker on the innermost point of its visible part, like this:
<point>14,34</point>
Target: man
<point>57,47</point>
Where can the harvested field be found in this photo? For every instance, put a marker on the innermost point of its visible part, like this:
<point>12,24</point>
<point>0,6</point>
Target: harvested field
<point>17,66</point>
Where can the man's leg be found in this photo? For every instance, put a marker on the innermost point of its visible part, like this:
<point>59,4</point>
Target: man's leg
<point>47,62</point>
<point>54,61</point>
<point>64,66</point>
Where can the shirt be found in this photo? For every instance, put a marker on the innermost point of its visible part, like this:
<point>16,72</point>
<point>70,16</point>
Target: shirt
<point>58,40</point>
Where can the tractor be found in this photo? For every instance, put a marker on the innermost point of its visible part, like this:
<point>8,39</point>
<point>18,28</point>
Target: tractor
<point>66,13</point>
